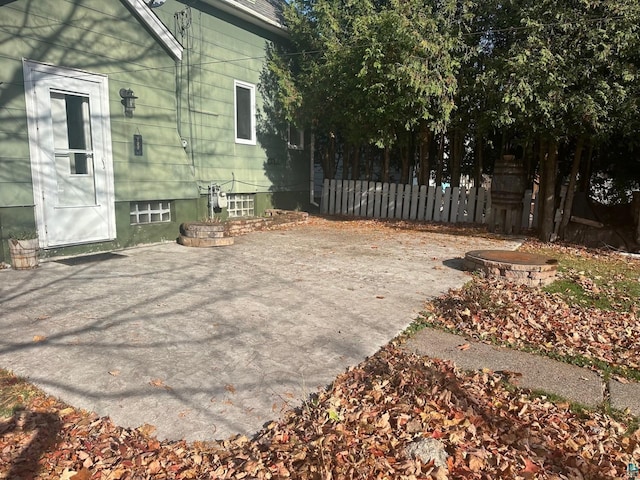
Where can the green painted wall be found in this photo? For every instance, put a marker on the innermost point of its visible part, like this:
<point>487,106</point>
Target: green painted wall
<point>191,100</point>
<point>223,49</point>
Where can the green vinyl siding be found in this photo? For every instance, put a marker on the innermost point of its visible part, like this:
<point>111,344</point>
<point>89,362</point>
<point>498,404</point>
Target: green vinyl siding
<point>190,100</point>
<point>219,51</point>
<point>15,166</point>
<point>105,38</point>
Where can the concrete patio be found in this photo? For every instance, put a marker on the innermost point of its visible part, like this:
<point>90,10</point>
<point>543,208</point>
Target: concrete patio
<point>205,343</point>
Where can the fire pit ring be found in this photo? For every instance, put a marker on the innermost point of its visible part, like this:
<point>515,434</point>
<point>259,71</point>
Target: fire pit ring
<point>517,267</point>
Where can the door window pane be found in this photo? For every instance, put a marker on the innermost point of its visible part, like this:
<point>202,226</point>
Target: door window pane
<point>71,128</point>
<point>71,122</point>
<point>78,125</point>
<point>79,164</point>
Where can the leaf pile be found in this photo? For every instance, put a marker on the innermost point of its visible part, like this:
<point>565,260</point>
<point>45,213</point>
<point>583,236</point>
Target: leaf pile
<point>593,277</point>
<point>358,428</point>
<point>529,318</point>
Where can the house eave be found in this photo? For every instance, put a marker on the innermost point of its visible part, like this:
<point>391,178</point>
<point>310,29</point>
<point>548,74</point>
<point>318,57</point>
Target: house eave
<point>248,15</point>
<point>158,29</point>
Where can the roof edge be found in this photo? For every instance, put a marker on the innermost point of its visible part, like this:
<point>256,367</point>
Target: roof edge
<point>159,29</point>
<point>249,15</point>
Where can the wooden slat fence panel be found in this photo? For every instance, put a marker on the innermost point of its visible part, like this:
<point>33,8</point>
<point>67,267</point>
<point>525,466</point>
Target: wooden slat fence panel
<point>392,201</point>
<point>415,202</point>
<point>422,195</point>
<point>377,200</point>
<point>345,197</point>
<point>430,199</point>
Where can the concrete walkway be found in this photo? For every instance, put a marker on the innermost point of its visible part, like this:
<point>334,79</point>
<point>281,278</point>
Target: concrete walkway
<point>205,343</point>
<point>529,371</point>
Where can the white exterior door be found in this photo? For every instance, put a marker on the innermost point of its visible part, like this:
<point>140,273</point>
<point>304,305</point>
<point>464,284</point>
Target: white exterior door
<point>71,155</point>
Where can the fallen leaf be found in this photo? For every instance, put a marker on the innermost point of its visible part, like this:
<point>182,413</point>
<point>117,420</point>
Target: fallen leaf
<point>39,338</point>
<point>464,346</point>
<point>475,463</point>
<point>114,373</point>
<point>158,383</point>
<point>147,429</point>
<point>67,474</point>
<point>83,474</point>
<point>621,379</point>
<point>530,467</point>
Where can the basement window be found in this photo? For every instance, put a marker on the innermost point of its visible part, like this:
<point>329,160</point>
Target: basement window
<point>240,205</point>
<point>150,212</point>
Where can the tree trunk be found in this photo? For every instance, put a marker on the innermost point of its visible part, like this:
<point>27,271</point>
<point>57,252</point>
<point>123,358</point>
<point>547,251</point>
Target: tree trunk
<point>635,208</point>
<point>547,198</point>
<point>368,163</point>
<point>327,163</point>
<point>573,176</point>
<point>529,153</point>
<point>328,159</point>
<point>456,146</point>
<point>479,160</point>
<point>404,157</point>
<point>385,165</point>
<point>424,147</point>
<point>355,166</point>
<point>346,161</point>
<point>440,161</point>
<point>434,145</point>
<point>585,172</point>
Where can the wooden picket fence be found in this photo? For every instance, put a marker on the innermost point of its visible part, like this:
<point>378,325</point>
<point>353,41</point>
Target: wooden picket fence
<point>412,202</point>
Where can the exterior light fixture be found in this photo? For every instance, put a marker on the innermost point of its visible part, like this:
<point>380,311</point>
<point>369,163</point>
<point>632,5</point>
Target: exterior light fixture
<point>129,101</point>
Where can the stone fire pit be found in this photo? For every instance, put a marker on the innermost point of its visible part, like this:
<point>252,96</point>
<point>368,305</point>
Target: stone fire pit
<point>518,267</point>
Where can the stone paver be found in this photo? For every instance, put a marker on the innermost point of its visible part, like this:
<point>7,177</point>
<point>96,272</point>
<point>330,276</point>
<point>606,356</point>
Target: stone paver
<point>204,343</point>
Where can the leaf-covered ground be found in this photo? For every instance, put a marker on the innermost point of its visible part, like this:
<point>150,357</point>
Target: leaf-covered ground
<point>359,428</point>
<point>587,317</point>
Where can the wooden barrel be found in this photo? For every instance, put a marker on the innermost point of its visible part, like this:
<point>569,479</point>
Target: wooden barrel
<point>509,182</point>
<point>24,253</point>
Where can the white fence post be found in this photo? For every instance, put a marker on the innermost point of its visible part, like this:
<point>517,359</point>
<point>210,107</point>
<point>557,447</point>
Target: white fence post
<point>399,200</point>
<point>392,200</point>
<point>377,209</point>
<point>324,206</point>
<point>422,202</point>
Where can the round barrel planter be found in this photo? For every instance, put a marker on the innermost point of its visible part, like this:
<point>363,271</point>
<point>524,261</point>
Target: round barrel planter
<point>205,242</point>
<point>203,234</point>
<point>518,267</point>
<point>24,253</point>
<point>204,230</point>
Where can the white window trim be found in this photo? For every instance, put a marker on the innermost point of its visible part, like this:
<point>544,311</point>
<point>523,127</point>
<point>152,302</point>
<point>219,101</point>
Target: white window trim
<point>297,144</point>
<point>252,89</point>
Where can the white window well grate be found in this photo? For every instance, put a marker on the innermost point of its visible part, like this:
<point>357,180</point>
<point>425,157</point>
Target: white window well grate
<point>241,204</point>
<point>150,212</point>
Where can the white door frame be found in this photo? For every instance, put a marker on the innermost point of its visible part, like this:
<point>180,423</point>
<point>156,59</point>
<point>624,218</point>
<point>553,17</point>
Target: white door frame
<point>40,161</point>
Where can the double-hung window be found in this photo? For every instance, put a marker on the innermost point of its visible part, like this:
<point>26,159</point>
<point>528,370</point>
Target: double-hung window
<point>245,112</point>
